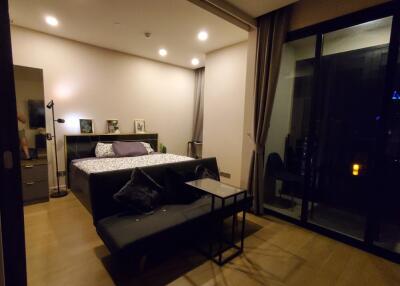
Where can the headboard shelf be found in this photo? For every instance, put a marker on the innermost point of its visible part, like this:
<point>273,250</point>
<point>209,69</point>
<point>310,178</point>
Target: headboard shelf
<point>78,146</point>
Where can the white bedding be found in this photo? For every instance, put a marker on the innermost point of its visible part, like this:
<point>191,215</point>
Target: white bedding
<point>99,165</point>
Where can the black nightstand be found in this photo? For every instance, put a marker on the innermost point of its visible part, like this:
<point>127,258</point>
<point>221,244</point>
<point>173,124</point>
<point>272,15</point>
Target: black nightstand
<point>35,185</point>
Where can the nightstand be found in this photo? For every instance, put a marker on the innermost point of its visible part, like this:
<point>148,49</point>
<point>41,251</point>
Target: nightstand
<point>35,185</point>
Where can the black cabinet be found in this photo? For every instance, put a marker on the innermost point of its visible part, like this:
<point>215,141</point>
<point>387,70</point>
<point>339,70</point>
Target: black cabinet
<point>35,185</point>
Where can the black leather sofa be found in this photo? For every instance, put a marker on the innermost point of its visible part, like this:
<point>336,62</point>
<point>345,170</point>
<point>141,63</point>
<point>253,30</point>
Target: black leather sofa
<point>137,234</point>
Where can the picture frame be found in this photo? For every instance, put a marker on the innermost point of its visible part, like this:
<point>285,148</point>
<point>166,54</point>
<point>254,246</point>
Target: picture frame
<point>112,126</point>
<point>86,126</point>
<point>139,126</point>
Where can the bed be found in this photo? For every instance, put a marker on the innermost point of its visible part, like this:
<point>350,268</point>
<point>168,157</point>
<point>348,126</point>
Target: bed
<point>85,172</point>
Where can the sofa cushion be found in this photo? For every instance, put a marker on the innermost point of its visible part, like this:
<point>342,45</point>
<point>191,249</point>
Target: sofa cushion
<point>104,185</point>
<point>123,231</point>
<point>141,194</point>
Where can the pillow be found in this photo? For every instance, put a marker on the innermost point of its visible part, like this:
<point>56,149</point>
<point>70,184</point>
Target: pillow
<point>148,147</point>
<point>129,149</point>
<point>104,150</point>
<point>141,194</point>
<point>175,189</point>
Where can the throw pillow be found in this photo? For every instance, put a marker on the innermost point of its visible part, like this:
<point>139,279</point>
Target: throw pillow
<point>129,149</point>
<point>202,172</point>
<point>141,194</point>
<point>148,147</point>
<point>104,150</point>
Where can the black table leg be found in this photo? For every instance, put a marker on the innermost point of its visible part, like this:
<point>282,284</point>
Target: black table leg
<point>220,232</point>
<point>243,225</point>
<point>210,246</point>
<point>217,230</point>
<point>234,217</point>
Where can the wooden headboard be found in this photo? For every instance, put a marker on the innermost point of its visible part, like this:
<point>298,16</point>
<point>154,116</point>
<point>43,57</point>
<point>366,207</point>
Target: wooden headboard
<point>83,145</point>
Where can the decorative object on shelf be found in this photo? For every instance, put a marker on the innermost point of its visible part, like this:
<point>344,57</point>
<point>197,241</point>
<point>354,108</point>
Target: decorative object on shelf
<point>58,193</point>
<point>139,126</point>
<point>112,126</point>
<point>162,148</point>
<point>86,126</point>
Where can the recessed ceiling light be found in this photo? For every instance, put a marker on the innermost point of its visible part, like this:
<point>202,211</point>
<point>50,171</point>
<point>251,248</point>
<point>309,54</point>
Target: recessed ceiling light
<point>202,36</point>
<point>162,52</point>
<point>195,61</point>
<point>52,21</point>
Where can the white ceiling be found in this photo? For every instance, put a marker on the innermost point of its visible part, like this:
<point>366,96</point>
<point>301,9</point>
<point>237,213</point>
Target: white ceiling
<point>257,8</point>
<point>120,25</point>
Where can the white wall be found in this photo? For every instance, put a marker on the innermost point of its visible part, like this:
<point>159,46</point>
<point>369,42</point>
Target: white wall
<point>90,82</point>
<point>224,100</point>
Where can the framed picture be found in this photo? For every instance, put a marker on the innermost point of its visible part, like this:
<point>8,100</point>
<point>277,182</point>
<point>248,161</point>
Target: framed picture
<point>139,126</point>
<point>86,126</point>
<point>112,126</point>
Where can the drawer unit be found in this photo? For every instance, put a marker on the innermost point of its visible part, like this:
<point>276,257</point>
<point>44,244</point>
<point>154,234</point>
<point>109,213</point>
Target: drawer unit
<point>31,172</point>
<point>35,186</point>
<point>35,191</point>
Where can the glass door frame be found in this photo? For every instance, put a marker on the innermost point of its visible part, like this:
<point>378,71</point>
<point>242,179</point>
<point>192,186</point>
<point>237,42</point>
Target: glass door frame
<point>372,223</point>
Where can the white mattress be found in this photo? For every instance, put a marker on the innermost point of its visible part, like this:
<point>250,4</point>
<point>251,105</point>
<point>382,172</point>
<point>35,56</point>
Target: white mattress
<point>98,165</point>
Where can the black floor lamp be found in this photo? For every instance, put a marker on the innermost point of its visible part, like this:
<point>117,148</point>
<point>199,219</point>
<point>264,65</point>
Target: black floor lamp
<point>59,193</point>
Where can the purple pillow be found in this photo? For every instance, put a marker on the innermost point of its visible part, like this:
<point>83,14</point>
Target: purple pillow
<point>128,149</point>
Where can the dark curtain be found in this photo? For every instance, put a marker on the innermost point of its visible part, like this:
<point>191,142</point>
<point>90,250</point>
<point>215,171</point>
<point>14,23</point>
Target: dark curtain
<point>198,105</point>
<point>272,29</point>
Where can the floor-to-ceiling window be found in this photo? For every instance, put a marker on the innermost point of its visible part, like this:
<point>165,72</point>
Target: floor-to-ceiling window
<point>351,85</point>
<point>321,164</point>
<point>386,233</point>
<point>284,177</point>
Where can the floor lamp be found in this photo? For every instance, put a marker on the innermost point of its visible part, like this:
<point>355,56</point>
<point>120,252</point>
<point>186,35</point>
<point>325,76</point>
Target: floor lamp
<point>59,193</point>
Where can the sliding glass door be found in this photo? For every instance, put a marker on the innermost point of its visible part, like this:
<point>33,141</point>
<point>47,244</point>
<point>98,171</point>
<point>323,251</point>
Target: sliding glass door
<point>351,85</point>
<point>290,119</point>
<point>386,232</point>
<point>326,131</point>
<point>333,147</point>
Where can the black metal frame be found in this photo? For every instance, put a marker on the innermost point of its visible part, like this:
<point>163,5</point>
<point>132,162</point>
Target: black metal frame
<point>220,221</point>
<point>369,14</point>
<point>11,206</point>
<point>59,193</point>
<point>385,10</point>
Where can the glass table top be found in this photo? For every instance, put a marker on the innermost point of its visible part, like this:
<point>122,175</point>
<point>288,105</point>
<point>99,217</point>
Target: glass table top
<point>215,188</point>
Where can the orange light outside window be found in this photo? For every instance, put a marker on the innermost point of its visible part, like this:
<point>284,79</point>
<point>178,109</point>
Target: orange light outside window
<point>356,169</point>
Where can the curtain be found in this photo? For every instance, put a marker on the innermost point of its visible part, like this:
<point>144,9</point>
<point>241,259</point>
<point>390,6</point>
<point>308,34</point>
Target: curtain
<point>272,29</point>
<point>198,105</point>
